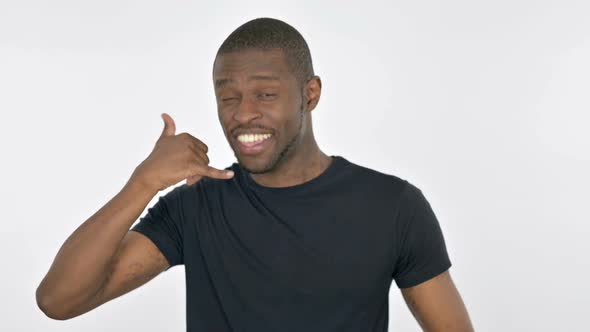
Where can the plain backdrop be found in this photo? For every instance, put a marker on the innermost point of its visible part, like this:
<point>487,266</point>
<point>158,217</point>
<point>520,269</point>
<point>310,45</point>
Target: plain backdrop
<point>481,104</point>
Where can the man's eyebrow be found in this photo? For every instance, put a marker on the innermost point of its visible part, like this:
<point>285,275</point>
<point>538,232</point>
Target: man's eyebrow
<point>220,82</point>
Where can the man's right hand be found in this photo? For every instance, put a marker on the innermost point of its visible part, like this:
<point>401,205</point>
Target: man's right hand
<point>174,158</point>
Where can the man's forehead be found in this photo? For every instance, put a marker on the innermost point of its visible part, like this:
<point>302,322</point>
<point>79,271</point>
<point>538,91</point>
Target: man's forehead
<point>264,77</point>
<point>250,60</point>
<point>250,65</point>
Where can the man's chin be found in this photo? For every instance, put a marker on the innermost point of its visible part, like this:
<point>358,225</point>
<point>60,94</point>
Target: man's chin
<point>254,165</point>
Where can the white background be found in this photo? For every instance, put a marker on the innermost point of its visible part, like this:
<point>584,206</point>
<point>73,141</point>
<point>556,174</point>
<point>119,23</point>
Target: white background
<point>482,105</point>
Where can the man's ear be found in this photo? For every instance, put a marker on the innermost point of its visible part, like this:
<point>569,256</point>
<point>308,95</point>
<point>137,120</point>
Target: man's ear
<point>313,90</point>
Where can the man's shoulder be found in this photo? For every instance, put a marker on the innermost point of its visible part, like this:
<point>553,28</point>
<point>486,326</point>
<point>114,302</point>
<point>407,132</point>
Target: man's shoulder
<point>376,176</point>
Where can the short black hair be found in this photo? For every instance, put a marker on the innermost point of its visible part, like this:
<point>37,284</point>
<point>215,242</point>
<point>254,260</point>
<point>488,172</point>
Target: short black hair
<point>269,33</point>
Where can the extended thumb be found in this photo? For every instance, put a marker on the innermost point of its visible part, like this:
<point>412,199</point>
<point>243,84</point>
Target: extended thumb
<point>169,126</point>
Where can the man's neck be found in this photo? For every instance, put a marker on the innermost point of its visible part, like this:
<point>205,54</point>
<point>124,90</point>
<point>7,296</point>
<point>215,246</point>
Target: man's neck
<point>299,169</point>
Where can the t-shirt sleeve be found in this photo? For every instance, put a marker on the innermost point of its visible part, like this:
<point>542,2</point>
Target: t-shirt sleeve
<point>163,225</point>
<point>421,245</point>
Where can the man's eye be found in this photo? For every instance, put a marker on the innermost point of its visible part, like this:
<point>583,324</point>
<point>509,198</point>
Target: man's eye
<point>267,95</point>
<point>228,99</point>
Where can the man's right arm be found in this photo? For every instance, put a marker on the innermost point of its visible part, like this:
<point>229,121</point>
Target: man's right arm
<point>102,259</point>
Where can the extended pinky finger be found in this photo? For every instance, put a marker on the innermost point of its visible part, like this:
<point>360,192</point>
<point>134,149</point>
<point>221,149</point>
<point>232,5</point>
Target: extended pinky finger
<point>218,173</point>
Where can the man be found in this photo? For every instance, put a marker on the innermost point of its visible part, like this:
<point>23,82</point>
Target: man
<point>292,239</point>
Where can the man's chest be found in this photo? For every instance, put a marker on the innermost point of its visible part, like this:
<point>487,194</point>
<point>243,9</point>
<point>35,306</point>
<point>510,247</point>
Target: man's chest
<point>329,246</point>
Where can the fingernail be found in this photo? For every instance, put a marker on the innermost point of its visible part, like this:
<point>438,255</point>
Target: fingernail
<point>229,173</point>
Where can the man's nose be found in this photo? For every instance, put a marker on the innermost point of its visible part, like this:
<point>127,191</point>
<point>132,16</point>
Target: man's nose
<point>247,111</point>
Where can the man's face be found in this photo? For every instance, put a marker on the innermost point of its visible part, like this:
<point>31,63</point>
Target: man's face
<point>260,107</point>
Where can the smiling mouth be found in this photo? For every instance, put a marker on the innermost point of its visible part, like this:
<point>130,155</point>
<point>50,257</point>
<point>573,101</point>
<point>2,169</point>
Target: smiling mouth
<point>250,144</point>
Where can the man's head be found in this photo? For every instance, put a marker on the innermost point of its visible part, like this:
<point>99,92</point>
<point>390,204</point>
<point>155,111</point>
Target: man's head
<point>265,84</point>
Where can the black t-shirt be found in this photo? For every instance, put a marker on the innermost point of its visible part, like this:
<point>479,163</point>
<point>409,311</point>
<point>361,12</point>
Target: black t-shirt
<point>318,256</point>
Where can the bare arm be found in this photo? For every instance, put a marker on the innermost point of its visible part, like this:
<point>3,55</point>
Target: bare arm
<point>136,262</point>
<point>80,266</point>
<point>102,259</point>
<point>437,305</point>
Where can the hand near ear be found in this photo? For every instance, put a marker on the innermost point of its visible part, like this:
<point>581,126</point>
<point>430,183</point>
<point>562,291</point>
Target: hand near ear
<point>176,157</point>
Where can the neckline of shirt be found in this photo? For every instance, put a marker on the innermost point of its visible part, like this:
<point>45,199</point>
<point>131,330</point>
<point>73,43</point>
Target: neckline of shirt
<point>337,162</point>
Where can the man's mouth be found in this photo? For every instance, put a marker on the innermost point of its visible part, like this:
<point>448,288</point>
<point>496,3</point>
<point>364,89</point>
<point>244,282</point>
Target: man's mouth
<point>251,144</point>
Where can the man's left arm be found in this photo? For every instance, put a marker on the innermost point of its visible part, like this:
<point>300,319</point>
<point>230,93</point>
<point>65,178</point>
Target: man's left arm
<point>437,305</point>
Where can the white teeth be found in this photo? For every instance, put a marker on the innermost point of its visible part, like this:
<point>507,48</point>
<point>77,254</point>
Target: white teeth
<point>247,138</point>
